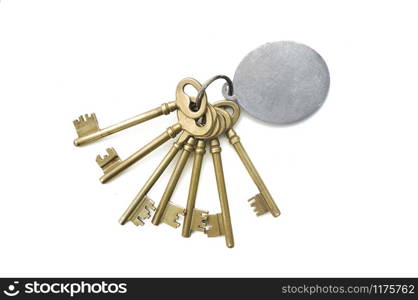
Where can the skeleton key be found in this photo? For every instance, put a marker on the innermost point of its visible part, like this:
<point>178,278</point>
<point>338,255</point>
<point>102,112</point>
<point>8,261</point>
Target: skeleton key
<point>88,129</point>
<point>168,212</point>
<point>135,211</point>
<point>112,165</point>
<point>195,220</point>
<point>262,202</point>
<point>220,224</point>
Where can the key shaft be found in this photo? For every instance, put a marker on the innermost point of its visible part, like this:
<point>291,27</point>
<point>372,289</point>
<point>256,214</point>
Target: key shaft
<point>234,139</point>
<point>194,184</point>
<point>175,176</point>
<point>165,109</point>
<point>171,132</point>
<point>215,149</point>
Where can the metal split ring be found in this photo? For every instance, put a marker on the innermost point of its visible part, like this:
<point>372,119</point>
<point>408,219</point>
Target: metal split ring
<point>199,97</point>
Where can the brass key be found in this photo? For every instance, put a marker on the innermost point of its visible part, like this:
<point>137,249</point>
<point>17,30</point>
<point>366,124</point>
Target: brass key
<point>136,208</point>
<point>195,220</point>
<point>112,165</point>
<point>220,224</point>
<point>262,202</point>
<point>88,129</point>
<point>168,212</point>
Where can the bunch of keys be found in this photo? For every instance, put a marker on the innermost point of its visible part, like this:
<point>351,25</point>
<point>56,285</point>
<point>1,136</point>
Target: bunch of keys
<point>265,84</point>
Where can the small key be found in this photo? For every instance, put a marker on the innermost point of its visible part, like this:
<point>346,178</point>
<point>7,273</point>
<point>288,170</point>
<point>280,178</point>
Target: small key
<point>195,220</point>
<point>88,129</point>
<point>262,202</point>
<point>163,208</point>
<point>113,166</point>
<point>136,208</point>
<point>220,224</point>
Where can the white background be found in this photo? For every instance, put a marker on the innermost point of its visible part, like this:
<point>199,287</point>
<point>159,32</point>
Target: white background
<point>345,179</point>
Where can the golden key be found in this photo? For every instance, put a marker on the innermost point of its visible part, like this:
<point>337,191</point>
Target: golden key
<point>262,202</point>
<point>169,212</point>
<point>111,163</point>
<point>88,129</point>
<point>195,219</point>
<point>220,224</point>
<point>138,209</point>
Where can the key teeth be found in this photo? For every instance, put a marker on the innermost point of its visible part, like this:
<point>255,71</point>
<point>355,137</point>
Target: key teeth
<point>172,214</point>
<point>200,220</point>
<point>214,226</point>
<point>144,212</point>
<point>86,124</point>
<point>108,160</point>
<point>259,204</point>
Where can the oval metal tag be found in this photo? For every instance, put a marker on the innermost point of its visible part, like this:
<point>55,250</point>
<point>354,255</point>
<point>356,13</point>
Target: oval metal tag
<point>282,82</point>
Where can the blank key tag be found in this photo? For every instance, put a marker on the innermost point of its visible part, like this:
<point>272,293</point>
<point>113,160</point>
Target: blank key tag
<point>281,82</point>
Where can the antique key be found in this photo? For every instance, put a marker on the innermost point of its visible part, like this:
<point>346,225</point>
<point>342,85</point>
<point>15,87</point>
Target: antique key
<point>220,224</point>
<point>111,163</point>
<point>135,211</point>
<point>195,219</point>
<point>166,212</point>
<point>262,202</point>
<point>88,129</point>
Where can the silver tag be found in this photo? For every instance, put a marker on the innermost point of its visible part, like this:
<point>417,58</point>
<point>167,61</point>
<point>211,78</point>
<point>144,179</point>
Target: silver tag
<point>281,82</point>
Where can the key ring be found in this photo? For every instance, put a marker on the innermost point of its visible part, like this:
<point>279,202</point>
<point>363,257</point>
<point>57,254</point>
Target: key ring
<point>202,91</point>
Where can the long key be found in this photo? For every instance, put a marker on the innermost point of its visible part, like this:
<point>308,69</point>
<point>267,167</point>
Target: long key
<point>195,220</point>
<point>136,208</point>
<point>88,129</point>
<point>112,165</point>
<point>262,202</point>
<point>220,224</point>
<point>167,212</point>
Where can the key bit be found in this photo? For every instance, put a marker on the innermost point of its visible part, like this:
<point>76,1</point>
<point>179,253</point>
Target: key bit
<point>144,211</point>
<point>108,161</point>
<point>172,214</point>
<point>86,125</point>
<point>259,203</point>
<point>199,220</point>
<point>215,226</point>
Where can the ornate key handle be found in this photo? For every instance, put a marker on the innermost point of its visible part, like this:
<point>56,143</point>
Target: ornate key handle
<point>185,102</point>
<point>236,111</point>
